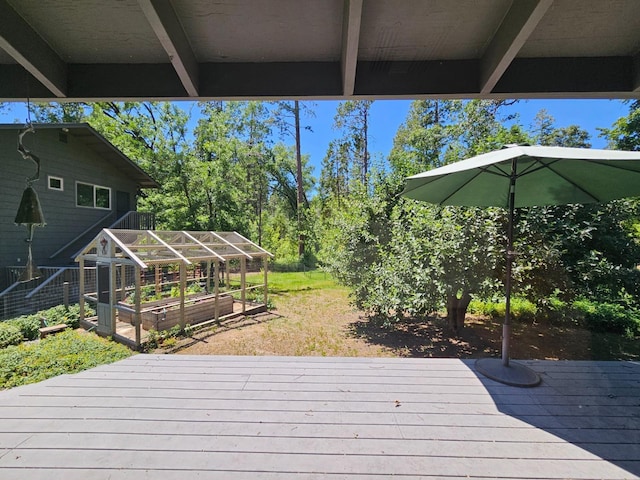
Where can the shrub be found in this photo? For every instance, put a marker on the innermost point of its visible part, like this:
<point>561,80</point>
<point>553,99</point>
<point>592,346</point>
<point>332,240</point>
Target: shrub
<point>9,335</point>
<point>67,352</point>
<point>69,315</point>
<point>28,325</point>
<point>167,338</point>
<point>521,308</point>
<point>609,317</point>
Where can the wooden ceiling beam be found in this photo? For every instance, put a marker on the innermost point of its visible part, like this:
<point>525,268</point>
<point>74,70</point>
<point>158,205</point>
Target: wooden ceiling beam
<point>350,40</point>
<point>518,24</point>
<point>165,24</point>
<point>567,77</point>
<point>636,73</point>
<point>29,50</point>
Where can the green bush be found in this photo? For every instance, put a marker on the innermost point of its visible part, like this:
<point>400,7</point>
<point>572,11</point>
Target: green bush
<point>167,338</point>
<point>28,325</point>
<point>521,308</point>
<point>68,352</point>
<point>69,315</point>
<point>608,317</point>
<point>9,335</point>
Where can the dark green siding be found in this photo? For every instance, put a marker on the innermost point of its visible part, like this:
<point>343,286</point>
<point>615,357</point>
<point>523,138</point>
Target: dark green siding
<point>72,161</point>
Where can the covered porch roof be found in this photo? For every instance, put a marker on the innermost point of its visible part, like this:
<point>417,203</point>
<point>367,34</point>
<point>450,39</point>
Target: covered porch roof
<point>330,49</point>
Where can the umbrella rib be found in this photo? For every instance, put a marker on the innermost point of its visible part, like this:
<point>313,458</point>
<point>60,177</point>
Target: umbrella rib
<point>539,165</point>
<point>460,187</point>
<point>613,165</point>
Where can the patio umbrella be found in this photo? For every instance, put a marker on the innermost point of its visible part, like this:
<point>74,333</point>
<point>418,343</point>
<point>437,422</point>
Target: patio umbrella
<point>523,176</point>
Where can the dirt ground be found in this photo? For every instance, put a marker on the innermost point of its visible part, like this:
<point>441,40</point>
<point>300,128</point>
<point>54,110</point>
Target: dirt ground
<point>322,322</point>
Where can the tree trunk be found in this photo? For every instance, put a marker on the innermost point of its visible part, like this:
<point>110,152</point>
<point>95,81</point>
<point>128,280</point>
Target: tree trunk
<point>300,186</point>
<point>456,310</point>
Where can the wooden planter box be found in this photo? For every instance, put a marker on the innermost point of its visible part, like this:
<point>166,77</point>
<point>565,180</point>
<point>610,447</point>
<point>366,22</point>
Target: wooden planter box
<point>164,314</point>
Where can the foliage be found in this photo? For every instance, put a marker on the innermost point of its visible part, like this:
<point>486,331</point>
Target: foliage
<point>546,134</point>
<point>69,315</point>
<point>347,164</point>
<point>405,257</point>
<point>29,326</point>
<point>625,132</point>
<point>402,257</point>
<point>586,250</point>
<point>221,172</point>
<point>66,352</point>
<point>286,282</point>
<point>9,335</point>
<point>227,171</point>
<point>166,338</point>
<point>521,308</point>
<point>609,317</point>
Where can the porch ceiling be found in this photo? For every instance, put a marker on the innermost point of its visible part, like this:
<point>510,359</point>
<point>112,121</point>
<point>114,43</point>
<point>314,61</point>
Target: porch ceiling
<point>333,49</point>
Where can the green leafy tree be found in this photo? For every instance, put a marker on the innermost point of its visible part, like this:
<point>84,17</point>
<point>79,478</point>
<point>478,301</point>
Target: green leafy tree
<point>545,133</point>
<point>287,118</point>
<point>625,132</point>
<point>222,174</point>
<point>408,257</point>
<point>335,172</point>
<point>69,112</point>
<point>352,120</point>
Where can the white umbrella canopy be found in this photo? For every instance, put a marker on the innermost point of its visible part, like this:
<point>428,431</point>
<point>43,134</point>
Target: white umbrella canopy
<point>524,176</point>
<point>544,176</point>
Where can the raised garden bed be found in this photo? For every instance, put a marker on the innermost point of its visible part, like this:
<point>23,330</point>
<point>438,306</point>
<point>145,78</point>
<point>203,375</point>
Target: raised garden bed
<point>164,314</point>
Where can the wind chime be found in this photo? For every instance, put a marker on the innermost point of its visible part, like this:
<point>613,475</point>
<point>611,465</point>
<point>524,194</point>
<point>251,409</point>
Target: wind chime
<point>29,210</point>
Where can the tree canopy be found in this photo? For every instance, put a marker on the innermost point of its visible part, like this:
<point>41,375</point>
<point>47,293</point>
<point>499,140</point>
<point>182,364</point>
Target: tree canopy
<point>239,166</point>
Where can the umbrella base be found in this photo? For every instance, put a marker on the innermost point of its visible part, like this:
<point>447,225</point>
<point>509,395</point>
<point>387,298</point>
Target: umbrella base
<point>515,374</point>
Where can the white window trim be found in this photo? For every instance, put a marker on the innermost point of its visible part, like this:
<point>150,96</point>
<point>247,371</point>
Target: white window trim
<point>53,177</point>
<point>95,187</point>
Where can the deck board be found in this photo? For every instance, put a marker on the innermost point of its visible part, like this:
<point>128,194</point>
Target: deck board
<point>170,416</point>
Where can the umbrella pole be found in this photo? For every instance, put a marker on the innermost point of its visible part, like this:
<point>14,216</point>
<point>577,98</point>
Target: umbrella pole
<point>506,327</point>
<point>503,371</point>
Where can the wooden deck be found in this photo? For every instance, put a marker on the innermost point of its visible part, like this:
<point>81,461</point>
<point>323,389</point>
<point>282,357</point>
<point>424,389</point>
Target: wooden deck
<point>184,417</point>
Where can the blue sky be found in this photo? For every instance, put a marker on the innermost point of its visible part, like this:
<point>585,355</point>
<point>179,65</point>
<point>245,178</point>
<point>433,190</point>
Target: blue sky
<point>387,115</point>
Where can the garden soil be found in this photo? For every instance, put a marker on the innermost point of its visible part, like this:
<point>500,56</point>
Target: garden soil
<point>324,323</point>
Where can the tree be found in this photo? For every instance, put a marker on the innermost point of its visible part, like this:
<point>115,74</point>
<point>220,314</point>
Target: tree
<point>352,119</point>
<point>404,257</point>
<point>222,159</point>
<point>625,132</point>
<point>407,257</point>
<point>281,222</point>
<point>287,118</point>
<point>334,176</point>
<point>420,142</point>
<point>69,112</point>
<point>547,134</point>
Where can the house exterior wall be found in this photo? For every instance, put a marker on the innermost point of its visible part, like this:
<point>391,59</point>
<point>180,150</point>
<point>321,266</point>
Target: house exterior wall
<point>73,162</point>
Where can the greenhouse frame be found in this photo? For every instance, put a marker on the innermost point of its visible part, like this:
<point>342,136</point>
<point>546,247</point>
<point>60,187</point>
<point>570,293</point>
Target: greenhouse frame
<point>158,280</point>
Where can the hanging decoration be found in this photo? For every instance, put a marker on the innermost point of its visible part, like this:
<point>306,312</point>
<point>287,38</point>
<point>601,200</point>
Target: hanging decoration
<point>29,210</point>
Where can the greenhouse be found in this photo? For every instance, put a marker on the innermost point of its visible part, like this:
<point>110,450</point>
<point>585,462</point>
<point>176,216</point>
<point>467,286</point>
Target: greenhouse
<point>143,280</point>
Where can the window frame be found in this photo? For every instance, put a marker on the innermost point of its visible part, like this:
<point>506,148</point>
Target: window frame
<point>53,177</point>
<point>95,188</point>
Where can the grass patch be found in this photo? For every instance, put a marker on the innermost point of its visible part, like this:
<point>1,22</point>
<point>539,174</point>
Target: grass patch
<point>287,282</point>
<point>66,352</point>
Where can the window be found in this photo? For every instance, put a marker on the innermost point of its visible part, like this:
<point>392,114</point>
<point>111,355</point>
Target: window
<point>93,196</point>
<point>56,183</point>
